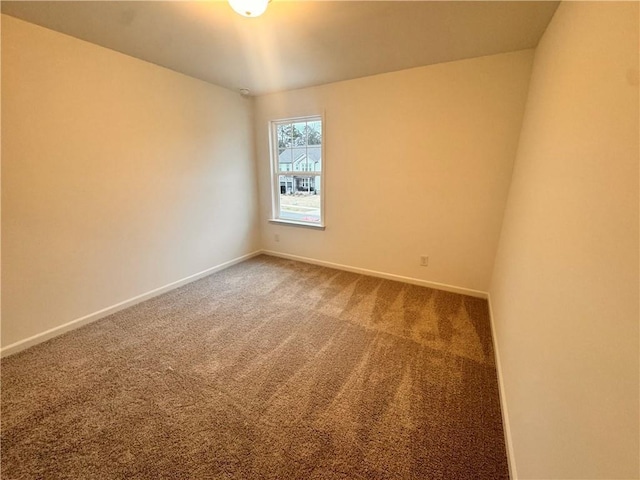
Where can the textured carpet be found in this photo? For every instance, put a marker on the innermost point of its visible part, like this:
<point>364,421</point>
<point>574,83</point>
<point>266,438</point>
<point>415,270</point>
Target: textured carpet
<point>269,369</point>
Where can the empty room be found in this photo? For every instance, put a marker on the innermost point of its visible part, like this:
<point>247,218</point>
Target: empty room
<point>270,239</point>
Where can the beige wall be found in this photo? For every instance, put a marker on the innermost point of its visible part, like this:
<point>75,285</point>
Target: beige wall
<point>417,162</point>
<point>118,177</point>
<point>565,288</point>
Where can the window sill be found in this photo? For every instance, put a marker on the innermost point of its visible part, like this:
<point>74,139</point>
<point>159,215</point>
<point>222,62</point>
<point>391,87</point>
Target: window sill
<point>314,226</point>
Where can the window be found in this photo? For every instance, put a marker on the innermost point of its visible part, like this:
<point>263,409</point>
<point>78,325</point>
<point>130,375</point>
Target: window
<point>297,171</point>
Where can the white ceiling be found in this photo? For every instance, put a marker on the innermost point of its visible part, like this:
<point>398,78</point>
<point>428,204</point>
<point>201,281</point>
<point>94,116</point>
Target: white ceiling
<point>295,43</point>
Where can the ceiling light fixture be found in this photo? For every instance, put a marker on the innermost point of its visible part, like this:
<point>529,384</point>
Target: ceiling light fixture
<point>249,8</point>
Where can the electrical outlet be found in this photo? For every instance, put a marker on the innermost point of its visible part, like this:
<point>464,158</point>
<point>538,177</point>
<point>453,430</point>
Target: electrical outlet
<point>424,261</point>
<point>276,237</point>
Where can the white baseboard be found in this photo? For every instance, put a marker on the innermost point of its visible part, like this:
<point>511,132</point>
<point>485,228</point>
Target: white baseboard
<point>78,322</point>
<point>73,324</point>
<point>374,273</point>
<point>513,473</point>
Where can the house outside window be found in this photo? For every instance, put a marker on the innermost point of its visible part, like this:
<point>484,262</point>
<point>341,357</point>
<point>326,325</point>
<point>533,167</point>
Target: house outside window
<point>297,170</point>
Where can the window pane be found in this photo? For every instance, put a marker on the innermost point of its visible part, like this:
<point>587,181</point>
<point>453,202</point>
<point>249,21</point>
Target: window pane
<point>299,156</point>
<point>314,133</point>
<point>284,136</point>
<point>298,134</point>
<point>300,198</point>
<point>285,158</point>
<point>314,158</point>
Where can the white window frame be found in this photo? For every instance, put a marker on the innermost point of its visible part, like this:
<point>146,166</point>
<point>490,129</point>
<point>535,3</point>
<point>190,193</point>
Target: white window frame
<point>276,172</point>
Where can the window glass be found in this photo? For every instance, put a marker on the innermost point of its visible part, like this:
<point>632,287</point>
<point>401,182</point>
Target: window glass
<point>299,198</point>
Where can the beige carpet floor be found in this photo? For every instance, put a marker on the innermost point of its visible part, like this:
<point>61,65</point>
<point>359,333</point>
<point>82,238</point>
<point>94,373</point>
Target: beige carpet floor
<point>271,369</point>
